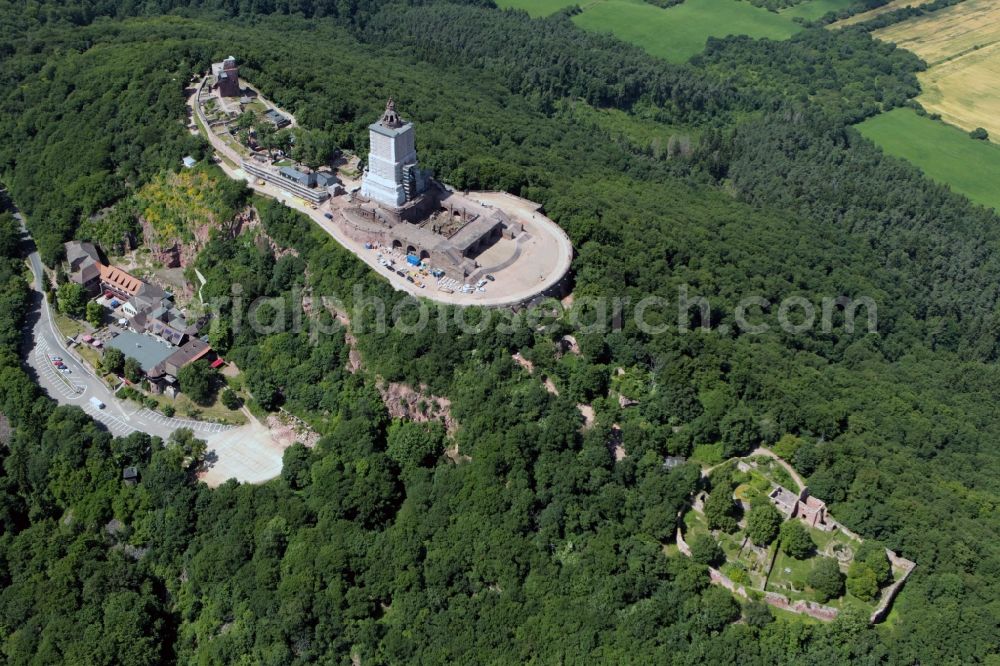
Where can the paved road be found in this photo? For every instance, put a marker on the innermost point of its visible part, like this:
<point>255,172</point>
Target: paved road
<point>43,341</point>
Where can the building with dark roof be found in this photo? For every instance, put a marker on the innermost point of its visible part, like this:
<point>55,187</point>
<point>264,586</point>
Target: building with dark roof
<point>294,175</point>
<point>150,297</point>
<point>325,179</point>
<point>191,351</point>
<point>130,475</point>
<point>288,179</point>
<point>79,253</point>
<point>84,265</point>
<point>277,119</point>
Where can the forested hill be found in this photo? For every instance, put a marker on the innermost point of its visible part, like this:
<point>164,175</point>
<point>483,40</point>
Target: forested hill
<point>532,543</point>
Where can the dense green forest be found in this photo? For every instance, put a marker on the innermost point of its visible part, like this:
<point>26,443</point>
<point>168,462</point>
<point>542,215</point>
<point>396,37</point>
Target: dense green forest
<point>538,547</point>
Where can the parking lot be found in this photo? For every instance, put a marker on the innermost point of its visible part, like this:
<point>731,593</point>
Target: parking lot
<point>63,383</point>
<point>117,426</point>
<point>203,427</point>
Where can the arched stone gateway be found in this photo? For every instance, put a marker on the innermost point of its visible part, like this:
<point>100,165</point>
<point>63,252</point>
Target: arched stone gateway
<point>424,254</point>
<point>396,245</point>
<point>410,249</point>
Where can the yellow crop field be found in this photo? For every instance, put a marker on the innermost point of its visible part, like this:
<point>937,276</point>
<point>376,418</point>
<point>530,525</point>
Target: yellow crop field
<point>949,33</point>
<point>872,13</point>
<point>965,91</point>
<point>961,45</point>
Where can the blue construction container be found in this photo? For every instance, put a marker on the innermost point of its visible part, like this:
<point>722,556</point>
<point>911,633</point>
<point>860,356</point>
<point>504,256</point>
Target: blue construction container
<point>412,260</point>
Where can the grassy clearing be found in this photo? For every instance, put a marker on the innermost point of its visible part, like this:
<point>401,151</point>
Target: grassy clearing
<point>770,471</point>
<point>944,153</point>
<point>680,32</point>
<point>536,8</point>
<point>90,355</point>
<point>815,9</point>
<point>640,129</point>
<point>68,326</point>
<point>707,454</point>
<point>216,412</point>
<point>257,106</point>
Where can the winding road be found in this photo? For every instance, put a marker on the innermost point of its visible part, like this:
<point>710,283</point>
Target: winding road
<point>43,341</point>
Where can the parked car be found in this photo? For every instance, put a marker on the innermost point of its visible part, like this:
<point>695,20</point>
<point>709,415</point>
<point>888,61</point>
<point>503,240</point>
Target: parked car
<point>56,358</point>
<point>490,278</point>
<point>66,371</point>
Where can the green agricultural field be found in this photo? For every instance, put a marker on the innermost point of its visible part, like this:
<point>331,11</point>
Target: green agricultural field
<point>814,9</point>
<point>536,7</point>
<point>680,32</point>
<point>945,153</point>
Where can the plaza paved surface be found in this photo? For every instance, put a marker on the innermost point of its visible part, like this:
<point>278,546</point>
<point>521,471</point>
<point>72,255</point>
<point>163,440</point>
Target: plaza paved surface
<point>545,258</point>
<point>245,453</point>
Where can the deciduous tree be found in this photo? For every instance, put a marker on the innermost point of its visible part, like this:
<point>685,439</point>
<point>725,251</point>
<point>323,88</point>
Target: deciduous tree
<point>113,360</point>
<point>826,579</point>
<point>795,540</point>
<point>95,314</point>
<point>197,381</point>
<point>763,523</point>
<point>706,550</point>
<point>71,299</point>
<point>861,581</point>
<point>721,509</point>
<point>132,369</point>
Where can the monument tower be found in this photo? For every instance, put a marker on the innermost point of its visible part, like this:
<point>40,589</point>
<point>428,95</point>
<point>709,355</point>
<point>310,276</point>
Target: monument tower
<point>227,77</point>
<point>392,177</point>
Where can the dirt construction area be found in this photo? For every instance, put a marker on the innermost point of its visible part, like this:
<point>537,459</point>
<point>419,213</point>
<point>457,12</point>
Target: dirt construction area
<point>961,45</point>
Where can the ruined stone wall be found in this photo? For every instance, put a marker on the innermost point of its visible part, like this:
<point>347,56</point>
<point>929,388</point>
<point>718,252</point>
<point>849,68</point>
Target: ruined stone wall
<point>889,593</point>
<point>802,607</point>
<point>682,544</point>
